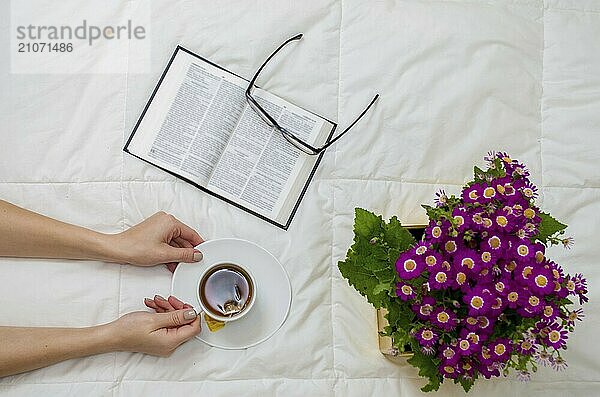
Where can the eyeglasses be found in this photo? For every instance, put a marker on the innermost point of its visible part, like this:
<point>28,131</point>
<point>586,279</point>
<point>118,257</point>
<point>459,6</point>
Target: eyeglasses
<point>288,135</point>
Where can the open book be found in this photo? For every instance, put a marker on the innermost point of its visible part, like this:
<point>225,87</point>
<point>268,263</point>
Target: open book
<point>198,126</point>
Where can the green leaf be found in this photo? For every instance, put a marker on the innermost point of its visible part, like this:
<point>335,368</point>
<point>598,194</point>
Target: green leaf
<point>428,368</point>
<point>467,383</point>
<point>381,287</point>
<point>396,236</point>
<point>367,224</point>
<point>548,227</point>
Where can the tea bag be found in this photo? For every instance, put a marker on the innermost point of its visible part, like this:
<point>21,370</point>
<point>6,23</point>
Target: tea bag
<point>233,306</point>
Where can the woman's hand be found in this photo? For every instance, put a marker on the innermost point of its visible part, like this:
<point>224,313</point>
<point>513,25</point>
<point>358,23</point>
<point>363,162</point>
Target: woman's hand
<point>158,333</point>
<point>159,239</point>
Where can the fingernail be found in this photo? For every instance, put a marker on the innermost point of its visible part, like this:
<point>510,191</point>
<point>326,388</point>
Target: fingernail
<point>160,298</point>
<point>198,256</point>
<point>190,314</point>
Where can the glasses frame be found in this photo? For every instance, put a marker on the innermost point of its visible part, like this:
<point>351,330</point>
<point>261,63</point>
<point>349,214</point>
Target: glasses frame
<point>288,135</point>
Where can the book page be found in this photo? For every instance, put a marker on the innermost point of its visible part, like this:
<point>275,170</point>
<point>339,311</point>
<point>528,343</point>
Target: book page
<point>259,167</point>
<point>191,118</point>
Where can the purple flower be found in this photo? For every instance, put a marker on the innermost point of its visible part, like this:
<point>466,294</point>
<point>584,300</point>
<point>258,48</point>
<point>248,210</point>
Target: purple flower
<point>556,337</point>
<point>426,337</point>
<point>473,193</point>
<point>408,266</point>
<point>434,261</point>
<point>405,291</point>
<point>550,312</point>
<point>449,354</point>
<point>424,310</point>
<point>500,349</point>
<point>525,347</point>
<point>540,281</point>
<point>436,232</point>
<point>467,261</point>
<point>465,347</point>
<point>449,371</point>
<point>444,319</point>
<point>478,300</point>
<point>441,199</point>
<point>575,315</point>
<point>440,279</point>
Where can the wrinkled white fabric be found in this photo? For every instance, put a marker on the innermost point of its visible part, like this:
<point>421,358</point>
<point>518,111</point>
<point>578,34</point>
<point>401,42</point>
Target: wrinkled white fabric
<point>456,78</point>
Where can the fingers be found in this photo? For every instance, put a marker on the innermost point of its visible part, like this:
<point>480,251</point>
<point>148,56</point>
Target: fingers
<point>162,305</point>
<point>188,331</point>
<point>189,234</point>
<point>187,255</point>
<point>176,303</point>
<point>175,318</point>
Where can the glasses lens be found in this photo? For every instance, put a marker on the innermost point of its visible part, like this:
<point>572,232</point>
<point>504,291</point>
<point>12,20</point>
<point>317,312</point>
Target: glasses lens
<point>291,138</point>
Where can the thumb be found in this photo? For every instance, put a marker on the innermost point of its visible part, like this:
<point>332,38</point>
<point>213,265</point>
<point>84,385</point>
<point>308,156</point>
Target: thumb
<point>187,255</point>
<point>175,318</point>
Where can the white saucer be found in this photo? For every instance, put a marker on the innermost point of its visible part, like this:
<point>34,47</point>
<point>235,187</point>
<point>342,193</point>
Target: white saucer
<point>273,292</point>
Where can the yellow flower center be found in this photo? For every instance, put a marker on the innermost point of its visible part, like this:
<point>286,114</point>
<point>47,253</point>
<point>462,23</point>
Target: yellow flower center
<point>500,189</point>
<point>468,263</point>
<point>529,213</point>
<point>548,311</point>
<point>528,192</point>
<point>472,320</point>
<point>407,289</point>
<point>526,345</point>
<point>513,296</point>
<point>473,195</point>
<point>489,192</point>
<point>421,250</point>
<point>555,273</point>
<point>500,286</point>
<point>476,302</point>
<point>441,277</point>
<point>450,246</point>
<point>430,260</point>
<point>473,337</point>
<point>459,220</point>
<point>494,242</point>
<point>523,250</point>
<point>539,257</point>
<point>461,278</point>
<point>436,232</point>
<point>554,336</point>
<point>534,300</point>
<point>541,281</point>
<point>410,265</point>
<point>442,317</point>
<point>446,265</point>
<point>571,285</point>
<point>487,222</point>
<point>507,159</point>
<point>510,266</point>
<point>499,349</point>
<point>526,272</point>
<point>486,256</point>
<point>427,335</point>
<point>501,220</point>
<point>573,316</point>
<point>449,369</point>
<point>464,344</point>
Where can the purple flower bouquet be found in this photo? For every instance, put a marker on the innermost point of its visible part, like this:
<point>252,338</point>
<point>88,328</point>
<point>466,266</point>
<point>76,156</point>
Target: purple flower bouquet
<point>477,295</point>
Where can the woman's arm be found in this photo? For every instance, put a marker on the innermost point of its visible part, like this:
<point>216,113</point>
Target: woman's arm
<point>24,349</point>
<point>159,239</point>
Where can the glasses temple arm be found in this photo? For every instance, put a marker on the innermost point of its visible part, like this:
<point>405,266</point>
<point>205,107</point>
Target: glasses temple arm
<point>296,37</point>
<point>360,116</point>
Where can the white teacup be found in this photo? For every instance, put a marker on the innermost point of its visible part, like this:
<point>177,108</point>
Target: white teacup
<point>219,287</point>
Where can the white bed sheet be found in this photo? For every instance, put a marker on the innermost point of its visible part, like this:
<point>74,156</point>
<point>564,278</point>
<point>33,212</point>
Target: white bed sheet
<point>456,78</point>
